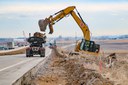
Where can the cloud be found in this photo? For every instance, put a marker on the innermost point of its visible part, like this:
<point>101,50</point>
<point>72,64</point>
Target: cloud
<point>98,16</point>
<point>28,8</point>
<point>90,7</point>
<point>107,7</point>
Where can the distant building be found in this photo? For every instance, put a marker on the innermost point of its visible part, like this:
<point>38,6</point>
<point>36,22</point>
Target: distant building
<point>3,40</point>
<point>10,43</point>
<point>6,43</point>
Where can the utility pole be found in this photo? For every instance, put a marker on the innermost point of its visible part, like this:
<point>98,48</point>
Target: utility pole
<point>25,38</point>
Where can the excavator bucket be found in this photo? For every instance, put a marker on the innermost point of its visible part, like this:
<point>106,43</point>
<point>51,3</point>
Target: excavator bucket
<point>43,24</point>
<point>50,28</point>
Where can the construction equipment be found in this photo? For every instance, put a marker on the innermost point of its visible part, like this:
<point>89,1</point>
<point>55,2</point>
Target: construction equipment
<point>52,44</point>
<point>85,44</point>
<point>36,45</point>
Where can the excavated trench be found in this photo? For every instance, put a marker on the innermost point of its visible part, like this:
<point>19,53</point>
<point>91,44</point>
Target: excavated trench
<point>63,69</point>
<point>60,68</point>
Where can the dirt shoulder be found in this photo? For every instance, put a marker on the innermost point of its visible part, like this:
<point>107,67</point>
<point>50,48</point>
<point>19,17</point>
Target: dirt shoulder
<point>63,69</point>
<point>20,50</point>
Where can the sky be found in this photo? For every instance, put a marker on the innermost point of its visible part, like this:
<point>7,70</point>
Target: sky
<point>18,18</point>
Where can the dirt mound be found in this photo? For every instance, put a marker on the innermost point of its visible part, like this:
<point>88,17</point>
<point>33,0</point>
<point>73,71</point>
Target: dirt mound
<point>119,72</point>
<point>63,69</point>
<point>79,75</point>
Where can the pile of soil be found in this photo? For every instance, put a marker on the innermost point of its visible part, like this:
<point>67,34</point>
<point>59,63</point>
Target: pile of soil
<point>63,69</point>
<point>84,69</point>
<point>119,72</point>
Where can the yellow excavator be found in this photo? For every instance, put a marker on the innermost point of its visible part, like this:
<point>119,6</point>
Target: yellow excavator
<point>85,44</point>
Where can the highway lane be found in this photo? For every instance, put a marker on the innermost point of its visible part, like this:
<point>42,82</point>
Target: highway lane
<point>13,67</point>
<point>69,47</point>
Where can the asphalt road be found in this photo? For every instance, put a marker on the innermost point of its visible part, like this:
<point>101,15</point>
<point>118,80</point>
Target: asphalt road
<point>13,67</point>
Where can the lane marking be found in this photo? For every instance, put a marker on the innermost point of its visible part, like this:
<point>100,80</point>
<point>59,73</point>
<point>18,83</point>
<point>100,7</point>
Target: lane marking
<point>14,65</point>
<point>22,62</point>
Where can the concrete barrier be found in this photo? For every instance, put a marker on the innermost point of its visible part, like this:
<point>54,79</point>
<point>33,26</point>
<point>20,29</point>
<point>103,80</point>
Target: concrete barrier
<point>27,78</point>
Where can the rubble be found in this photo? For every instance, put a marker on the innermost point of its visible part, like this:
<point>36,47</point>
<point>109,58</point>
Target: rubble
<point>70,70</point>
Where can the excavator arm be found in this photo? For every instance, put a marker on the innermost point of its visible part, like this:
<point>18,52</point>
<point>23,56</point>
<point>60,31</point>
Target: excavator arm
<point>85,44</point>
<point>51,20</point>
<point>61,14</point>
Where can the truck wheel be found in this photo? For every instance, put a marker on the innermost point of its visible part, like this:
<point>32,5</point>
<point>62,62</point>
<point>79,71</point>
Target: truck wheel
<point>31,55</point>
<point>27,53</point>
<point>42,54</point>
<point>27,56</point>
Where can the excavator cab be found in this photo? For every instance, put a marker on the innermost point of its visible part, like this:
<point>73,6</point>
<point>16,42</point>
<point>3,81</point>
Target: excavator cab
<point>90,46</point>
